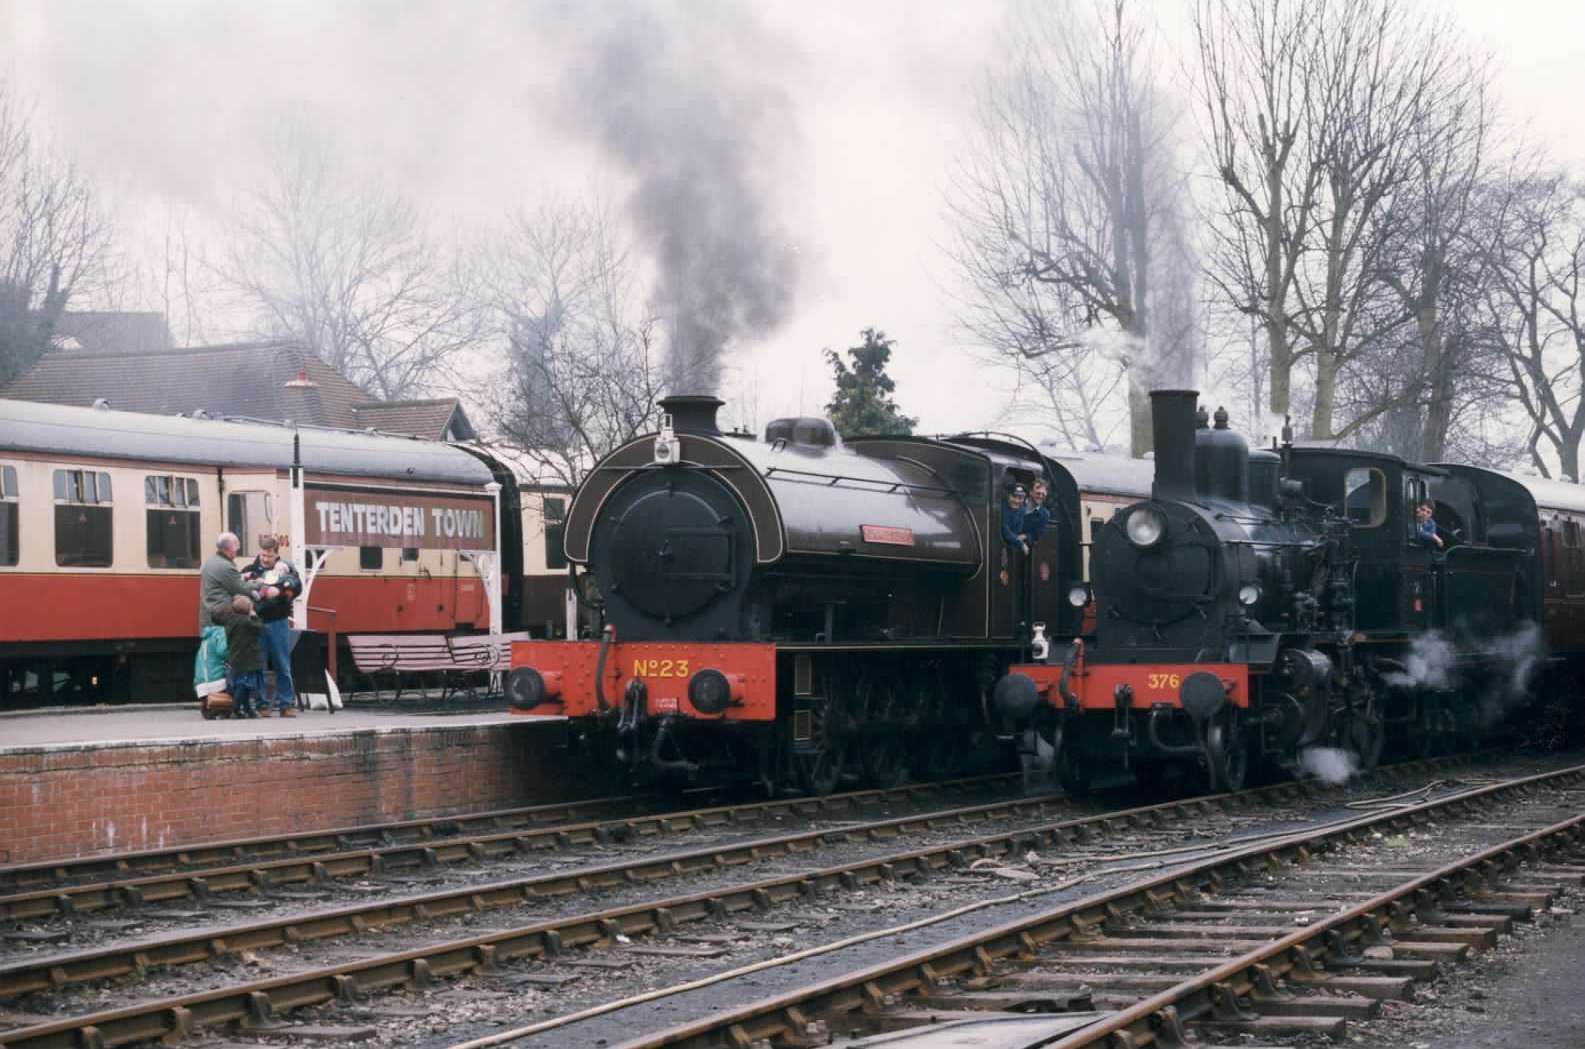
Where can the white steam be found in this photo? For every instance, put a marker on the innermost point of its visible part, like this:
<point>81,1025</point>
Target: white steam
<point>1430,663</point>
<point>1513,658</point>
<point>1518,655</point>
<point>1330,765</point>
<point>1521,653</point>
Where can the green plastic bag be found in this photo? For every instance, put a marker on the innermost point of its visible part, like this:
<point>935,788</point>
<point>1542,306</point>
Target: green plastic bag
<point>209,669</point>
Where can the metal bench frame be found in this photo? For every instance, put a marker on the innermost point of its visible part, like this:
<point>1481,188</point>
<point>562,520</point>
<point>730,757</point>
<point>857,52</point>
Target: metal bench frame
<point>447,660</point>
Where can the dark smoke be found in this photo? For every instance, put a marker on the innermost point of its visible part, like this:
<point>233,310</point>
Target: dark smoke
<point>681,98</point>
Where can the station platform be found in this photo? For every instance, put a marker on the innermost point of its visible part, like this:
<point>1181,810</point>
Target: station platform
<point>79,783</point>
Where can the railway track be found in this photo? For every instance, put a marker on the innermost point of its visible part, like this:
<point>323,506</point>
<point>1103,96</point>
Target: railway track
<point>1196,821</point>
<point>163,876</point>
<point>1293,936</point>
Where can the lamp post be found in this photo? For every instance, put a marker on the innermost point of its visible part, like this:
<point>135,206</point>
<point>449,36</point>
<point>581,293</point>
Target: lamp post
<point>492,583</point>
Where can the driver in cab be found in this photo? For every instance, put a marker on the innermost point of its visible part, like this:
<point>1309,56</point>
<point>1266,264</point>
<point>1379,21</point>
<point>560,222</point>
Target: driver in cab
<point>1425,527</point>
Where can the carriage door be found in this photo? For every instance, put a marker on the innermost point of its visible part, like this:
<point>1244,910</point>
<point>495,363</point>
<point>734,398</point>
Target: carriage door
<point>250,515</point>
<point>469,601</point>
<point>1572,570</point>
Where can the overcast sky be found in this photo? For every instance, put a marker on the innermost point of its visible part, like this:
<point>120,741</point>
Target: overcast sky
<point>167,104</point>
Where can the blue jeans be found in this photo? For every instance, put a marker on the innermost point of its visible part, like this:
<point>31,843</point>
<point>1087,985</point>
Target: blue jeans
<point>246,690</point>
<point>277,643</point>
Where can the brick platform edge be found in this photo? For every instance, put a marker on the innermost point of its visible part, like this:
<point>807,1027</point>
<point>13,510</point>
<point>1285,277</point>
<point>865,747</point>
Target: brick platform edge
<point>61,802</point>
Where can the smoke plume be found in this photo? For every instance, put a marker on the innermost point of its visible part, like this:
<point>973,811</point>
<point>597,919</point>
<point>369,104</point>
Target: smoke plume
<point>683,101</point>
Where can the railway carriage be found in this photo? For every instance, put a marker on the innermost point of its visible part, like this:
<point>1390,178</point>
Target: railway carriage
<point>105,517</point>
<point>799,607</point>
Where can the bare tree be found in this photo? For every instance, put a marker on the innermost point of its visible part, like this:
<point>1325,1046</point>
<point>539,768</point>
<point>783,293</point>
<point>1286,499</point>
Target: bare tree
<point>53,240</point>
<point>182,283</point>
<point>1325,120</point>
<point>1534,309</point>
<point>582,368</point>
<point>1436,269</point>
<point>1256,81</point>
<point>1062,216</point>
<point>351,272</point>
<point>1373,76</point>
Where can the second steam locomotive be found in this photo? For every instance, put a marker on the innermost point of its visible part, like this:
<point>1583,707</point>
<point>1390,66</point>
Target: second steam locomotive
<point>806,609</point>
<point>1273,606</point>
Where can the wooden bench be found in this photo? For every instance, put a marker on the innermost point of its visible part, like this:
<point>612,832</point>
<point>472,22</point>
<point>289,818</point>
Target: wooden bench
<point>427,658</point>
<point>483,652</point>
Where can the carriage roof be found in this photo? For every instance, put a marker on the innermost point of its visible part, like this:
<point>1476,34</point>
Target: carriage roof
<point>66,430</point>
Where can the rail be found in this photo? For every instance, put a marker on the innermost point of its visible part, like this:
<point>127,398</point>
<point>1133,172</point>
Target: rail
<point>795,1014</point>
<point>261,1000</point>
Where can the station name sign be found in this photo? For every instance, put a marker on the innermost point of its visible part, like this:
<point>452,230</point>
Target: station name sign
<point>342,517</point>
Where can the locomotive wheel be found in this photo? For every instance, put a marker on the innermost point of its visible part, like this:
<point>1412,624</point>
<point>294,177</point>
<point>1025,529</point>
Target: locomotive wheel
<point>1158,779</point>
<point>1428,735</point>
<point>1226,754</point>
<point>943,758</point>
<point>885,762</point>
<point>1365,735</point>
<point>1068,762</point>
<point>819,772</point>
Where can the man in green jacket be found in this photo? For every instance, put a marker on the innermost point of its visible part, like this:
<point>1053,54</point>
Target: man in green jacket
<point>220,581</point>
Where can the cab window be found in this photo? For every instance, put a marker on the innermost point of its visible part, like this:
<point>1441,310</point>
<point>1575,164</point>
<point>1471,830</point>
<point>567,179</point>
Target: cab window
<point>172,517</point>
<point>83,532</point>
<point>1365,497</point>
<point>10,544</point>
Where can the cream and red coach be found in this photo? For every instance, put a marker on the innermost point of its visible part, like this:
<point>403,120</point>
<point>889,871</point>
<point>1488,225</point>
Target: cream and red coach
<point>798,607</point>
<point>105,517</point>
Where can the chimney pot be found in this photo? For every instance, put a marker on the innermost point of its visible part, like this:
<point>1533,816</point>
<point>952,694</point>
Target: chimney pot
<point>1172,424</point>
<point>693,412</point>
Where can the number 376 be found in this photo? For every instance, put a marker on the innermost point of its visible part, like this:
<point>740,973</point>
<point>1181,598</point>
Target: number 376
<point>1163,680</point>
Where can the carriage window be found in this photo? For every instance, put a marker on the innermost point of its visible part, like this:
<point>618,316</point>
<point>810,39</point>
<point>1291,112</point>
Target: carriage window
<point>371,557</point>
<point>1573,558</point>
<point>172,518</point>
<point>409,553</point>
<point>555,532</point>
<point>10,547</point>
<point>83,535</point>
<point>249,515</point>
<point>1365,497</point>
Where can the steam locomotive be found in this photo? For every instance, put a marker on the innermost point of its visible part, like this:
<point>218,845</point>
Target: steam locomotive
<point>804,608</point>
<point>1261,606</point>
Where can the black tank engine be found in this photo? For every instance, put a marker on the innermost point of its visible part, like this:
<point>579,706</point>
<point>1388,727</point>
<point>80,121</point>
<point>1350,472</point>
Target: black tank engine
<point>1229,624</point>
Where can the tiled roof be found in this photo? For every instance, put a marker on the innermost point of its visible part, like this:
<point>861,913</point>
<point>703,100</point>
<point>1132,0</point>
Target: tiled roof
<point>431,418</point>
<point>244,380</point>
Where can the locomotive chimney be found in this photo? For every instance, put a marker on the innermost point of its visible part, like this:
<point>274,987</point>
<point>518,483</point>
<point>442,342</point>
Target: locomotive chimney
<point>693,412</point>
<point>1172,422</point>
